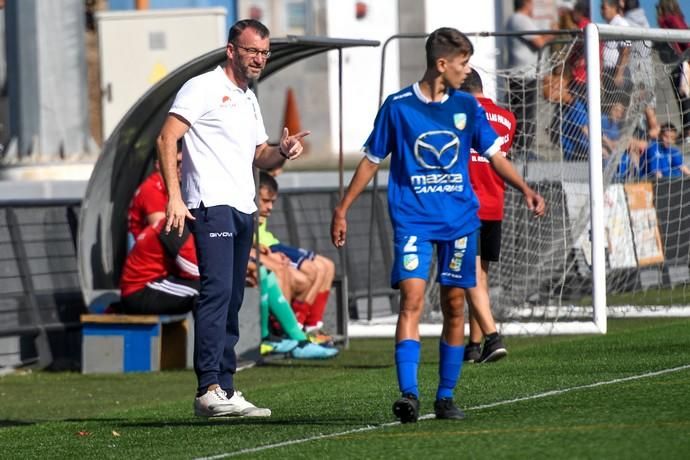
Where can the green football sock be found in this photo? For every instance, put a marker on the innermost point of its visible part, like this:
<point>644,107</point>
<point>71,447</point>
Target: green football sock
<point>279,306</point>
<point>263,311</point>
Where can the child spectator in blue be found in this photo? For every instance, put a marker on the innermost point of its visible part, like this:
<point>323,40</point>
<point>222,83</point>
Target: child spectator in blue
<point>611,128</point>
<point>663,158</point>
<point>572,111</point>
<point>632,166</point>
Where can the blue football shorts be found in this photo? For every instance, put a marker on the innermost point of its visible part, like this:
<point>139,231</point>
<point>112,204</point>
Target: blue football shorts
<point>456,260</point>
<point>296,255</point>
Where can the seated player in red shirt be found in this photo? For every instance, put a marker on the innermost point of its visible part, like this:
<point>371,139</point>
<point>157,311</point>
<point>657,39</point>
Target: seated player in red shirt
<point>160,275</point>
<point>148,204</point>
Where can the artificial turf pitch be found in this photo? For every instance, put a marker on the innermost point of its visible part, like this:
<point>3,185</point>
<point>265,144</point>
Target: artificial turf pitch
<point>628,396</point>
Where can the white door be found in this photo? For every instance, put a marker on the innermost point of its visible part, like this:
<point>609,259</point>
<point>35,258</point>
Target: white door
<point>138,48</point>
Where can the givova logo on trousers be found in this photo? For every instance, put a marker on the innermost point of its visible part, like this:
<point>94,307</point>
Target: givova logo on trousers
<point>220,235</point>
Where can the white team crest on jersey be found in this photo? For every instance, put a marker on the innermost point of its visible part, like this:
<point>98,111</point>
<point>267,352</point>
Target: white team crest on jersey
<point>461,243</point>
<point>410,262</point>
<point>460,120</point>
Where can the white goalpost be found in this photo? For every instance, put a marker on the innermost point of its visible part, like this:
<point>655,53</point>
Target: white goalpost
<point>596,181</point>
<point>594,34</point>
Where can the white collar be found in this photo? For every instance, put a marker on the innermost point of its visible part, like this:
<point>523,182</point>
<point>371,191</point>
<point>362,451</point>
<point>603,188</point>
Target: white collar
<point>229,83</point>
<point>418,92</point>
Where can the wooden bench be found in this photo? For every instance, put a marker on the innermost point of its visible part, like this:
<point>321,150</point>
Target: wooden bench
<point>143,343</point>
<point>133,343</point>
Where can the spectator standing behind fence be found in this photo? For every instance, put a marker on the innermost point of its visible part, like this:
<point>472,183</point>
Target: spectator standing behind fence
<point>572,135</point>
<point>565,18</point>
<point>576,60</point>
<point>523,58</point>
<point>663,158</point>
<point>642,67</point>
<point>670,16</point>
<point>161,274</point>
<point>428,129</point>
<point>615,79</point>
<point>224,137</point>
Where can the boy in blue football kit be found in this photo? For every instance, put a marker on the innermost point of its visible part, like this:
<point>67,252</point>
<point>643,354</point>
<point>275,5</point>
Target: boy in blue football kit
<point>662,158</point>
<point>428,129</point>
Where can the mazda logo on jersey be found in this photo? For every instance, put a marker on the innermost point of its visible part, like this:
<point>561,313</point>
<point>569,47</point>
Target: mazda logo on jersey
<point>437,149</point>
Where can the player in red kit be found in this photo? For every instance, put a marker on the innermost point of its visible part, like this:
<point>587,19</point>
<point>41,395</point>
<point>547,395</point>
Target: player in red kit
<point>148,203</point>
<point>161,274</point>
<point>490,190</point>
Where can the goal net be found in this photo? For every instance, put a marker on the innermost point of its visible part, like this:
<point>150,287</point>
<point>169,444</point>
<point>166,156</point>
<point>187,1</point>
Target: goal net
<point>616,238</point>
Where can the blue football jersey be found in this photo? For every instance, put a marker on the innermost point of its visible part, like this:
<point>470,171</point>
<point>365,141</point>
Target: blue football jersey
<point>429,190</point>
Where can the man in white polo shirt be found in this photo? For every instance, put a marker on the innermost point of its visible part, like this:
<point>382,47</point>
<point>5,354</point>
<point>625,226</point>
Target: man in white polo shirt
<point>219,119</point>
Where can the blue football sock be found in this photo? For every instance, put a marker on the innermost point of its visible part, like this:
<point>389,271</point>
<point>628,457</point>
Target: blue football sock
<point>406,363</point>
<point>449,367</point>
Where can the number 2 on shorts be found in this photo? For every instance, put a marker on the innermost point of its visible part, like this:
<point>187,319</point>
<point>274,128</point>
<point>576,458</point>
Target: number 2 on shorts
<point>411,245</point>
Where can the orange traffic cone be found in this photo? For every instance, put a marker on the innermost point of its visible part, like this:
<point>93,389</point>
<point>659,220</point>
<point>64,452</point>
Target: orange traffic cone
<point>291,115</point>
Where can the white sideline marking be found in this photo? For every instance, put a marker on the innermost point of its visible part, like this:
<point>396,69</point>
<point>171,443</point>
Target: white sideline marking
<point>430,416</point>
<point>582,387</point>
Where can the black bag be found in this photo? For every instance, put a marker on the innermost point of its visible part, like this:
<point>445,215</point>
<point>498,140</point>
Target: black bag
<point>667,53</point>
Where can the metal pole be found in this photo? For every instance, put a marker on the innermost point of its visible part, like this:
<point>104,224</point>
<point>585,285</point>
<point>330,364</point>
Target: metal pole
<point>341,159</point>
<point>343,298</point>
<point>375,184</point>
<point>374,191</point>
<point>21,19</point>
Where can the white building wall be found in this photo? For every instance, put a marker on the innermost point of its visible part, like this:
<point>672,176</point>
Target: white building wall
<point>361,67</point>
<point>469,16</point>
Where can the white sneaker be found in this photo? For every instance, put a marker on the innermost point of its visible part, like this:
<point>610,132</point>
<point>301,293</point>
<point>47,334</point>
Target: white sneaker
<point>243,408</point>
<point>213,404</point>
<point>216,404</point>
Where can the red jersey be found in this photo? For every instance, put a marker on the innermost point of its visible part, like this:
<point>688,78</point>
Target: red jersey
<point>150,197</point>
<point>576,59</point>
<point>157,255</point>
<point>487,184</point>
<point>674,21</point>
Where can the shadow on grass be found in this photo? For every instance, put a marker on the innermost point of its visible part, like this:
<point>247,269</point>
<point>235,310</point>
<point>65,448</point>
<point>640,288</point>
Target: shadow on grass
<point>197,421</point>
<point>247,421</point>
<point>322,365</point>
<point>11,423</point>
<point>37,421</point>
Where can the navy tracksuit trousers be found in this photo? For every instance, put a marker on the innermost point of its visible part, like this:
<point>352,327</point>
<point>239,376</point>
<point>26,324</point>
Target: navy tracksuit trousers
<point>223,238</point>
